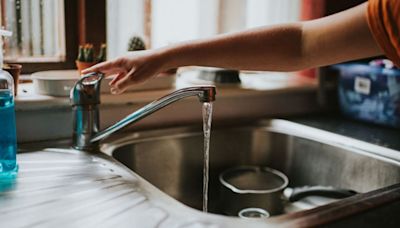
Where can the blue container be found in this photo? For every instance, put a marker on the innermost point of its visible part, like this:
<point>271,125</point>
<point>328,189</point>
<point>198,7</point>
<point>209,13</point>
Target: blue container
<point>8,139</point>
<point>370,93</point>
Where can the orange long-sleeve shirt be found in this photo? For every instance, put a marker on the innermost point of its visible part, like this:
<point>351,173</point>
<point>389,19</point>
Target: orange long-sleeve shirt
<point>384,22</point>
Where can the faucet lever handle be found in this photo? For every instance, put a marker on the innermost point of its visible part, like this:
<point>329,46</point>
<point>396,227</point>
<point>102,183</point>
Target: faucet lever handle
<point>87,89</point>
<point>92,78</point>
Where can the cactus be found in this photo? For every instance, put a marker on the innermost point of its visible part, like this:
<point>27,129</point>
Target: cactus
<point>81,55</point>
<point>89,53</point>
<point>86,54</point>
<point>136,44</point>
<point>102,53</point>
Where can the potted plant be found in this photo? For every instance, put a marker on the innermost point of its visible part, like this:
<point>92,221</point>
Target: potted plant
<point>86,57</point>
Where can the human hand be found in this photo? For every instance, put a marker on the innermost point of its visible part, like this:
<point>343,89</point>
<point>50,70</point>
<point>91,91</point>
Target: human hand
<point>130,69</point>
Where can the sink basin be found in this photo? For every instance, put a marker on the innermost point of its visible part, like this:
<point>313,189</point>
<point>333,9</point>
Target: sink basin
<point>172,159</point>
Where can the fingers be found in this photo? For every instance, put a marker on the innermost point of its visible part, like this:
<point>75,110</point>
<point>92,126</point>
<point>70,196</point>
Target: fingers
<point>107,68</point>
<point>120,83</point>
<point>116,78</point>
<point>129,70</point>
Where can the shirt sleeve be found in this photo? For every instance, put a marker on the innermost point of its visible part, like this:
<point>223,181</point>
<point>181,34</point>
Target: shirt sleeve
<point>384,22</point>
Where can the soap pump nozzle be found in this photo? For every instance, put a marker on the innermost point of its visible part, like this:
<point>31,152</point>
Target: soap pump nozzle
<point>6,80</point>
<point>3,33</point>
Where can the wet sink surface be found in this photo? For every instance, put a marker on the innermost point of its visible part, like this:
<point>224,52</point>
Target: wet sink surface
<point>172,159</point>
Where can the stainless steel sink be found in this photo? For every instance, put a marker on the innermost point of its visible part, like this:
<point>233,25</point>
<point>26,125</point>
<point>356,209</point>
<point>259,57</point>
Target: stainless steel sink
<point>172,159</point>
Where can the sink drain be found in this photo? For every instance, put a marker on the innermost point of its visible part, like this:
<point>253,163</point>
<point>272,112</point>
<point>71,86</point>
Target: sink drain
<point>253,213</point>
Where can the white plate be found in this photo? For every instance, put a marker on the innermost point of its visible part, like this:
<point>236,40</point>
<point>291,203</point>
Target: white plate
<point>60,82</point>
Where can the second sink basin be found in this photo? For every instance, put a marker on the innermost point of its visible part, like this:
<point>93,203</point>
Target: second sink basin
<point>172,159</point>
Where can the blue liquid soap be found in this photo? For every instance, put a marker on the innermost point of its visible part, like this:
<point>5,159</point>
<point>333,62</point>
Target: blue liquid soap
<point>8,138</point>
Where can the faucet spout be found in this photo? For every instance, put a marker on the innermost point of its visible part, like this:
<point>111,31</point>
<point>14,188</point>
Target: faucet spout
<point>85,98</point>
<point>204,93</point>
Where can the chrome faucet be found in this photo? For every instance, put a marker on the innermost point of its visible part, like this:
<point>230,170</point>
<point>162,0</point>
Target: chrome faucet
<point>85,98</point>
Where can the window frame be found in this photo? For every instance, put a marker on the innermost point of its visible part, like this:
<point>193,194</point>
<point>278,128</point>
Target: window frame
<point>79,29</point>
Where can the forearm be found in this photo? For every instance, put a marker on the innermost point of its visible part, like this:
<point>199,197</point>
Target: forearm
<point>289,47</point>
<point>276,48</point>
<point>340,37</point>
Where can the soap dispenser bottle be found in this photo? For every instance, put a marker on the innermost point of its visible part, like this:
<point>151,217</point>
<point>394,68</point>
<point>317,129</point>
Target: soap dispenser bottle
<point>8,139</point>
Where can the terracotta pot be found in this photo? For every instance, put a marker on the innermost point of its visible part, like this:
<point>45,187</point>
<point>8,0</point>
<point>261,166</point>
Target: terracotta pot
<point>83,65</point>
<point>15,71</point>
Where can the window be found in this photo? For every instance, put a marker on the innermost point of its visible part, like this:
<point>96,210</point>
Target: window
<point>178,20</point>
<point>174,21</point>
<point>38,30</point>
<point>260,13</point>
<point>70,27</point>
<point>47,33</point>
<point>125,18</point>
